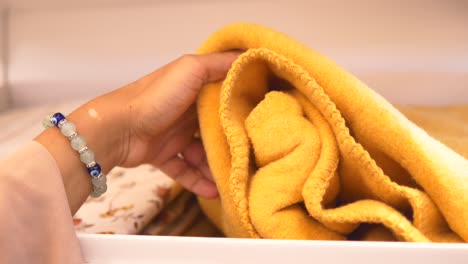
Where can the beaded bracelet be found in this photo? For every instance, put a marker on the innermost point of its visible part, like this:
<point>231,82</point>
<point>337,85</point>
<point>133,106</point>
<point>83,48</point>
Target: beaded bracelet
<point>78,143</point>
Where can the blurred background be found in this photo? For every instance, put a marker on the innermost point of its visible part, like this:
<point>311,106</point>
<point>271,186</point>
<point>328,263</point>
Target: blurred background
<point>412,52</point>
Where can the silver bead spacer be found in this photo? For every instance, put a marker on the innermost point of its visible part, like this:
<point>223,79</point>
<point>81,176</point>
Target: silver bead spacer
<point>91,165</point>
<point>83,150</point>
<point>63,121</point>
<point>72,136</point>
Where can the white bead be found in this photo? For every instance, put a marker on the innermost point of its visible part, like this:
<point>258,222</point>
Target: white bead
<point>95,194</point>
<point>68,128</point>
<point>46,123</point>
<point>78,143</point>
<point>100,190</point>
<point>87,157</point>
<point>99,181</point>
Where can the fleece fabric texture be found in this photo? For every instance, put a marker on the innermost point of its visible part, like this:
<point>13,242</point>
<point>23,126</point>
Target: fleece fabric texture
<point>301,149</point>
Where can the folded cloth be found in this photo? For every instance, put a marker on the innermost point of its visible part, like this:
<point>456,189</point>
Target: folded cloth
<point>202,227</point>
<point>301,149</point>
<point>176,218</point>
<point>181,217</point>
<point>135,196</point>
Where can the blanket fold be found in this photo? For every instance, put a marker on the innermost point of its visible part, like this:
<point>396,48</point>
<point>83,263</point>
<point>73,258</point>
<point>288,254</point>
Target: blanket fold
<point>301,149</point>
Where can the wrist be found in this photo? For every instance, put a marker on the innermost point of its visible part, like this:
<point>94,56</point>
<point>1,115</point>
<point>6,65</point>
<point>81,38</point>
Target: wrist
<point>102,123</point>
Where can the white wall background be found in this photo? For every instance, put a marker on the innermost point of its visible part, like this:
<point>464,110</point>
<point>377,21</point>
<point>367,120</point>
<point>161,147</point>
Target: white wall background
<point>410,51</point>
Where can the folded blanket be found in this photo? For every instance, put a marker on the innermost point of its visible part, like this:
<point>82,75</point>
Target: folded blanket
<point>202,228</point>
<point>181,217</point>
<point>176,218</point>
<point>301,149</point>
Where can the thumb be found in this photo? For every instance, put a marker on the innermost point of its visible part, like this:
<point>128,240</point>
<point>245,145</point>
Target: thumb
<point>182,80</point>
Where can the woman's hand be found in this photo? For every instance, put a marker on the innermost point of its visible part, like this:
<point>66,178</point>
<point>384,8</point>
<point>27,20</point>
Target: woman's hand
<point>163,120</point>
<point>152,120</point>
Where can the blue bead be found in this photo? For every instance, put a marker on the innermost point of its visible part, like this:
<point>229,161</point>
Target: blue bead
<point>53,120</point>
<point>95,170</point>
<point>56,118</point>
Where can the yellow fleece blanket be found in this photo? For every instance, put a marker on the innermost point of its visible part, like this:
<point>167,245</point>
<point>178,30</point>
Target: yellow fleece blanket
<point>301,149</point>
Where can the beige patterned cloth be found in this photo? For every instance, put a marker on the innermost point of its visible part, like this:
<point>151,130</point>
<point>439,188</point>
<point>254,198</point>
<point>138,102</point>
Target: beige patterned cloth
<point>134,197</point>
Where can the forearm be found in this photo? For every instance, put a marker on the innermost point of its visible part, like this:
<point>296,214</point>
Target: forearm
<point>34,210</point>
<point>101,122</point>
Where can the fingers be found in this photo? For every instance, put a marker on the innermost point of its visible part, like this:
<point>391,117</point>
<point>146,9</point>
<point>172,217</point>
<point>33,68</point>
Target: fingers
<point>205,68</point>
<point>192,170</point>
<point>189,177</point>
<point>165,111</point>
<point>195,155</point>
<point>176,88</point>
<point>202,69</point>
<point>215,66</point>
<point>175,138</point>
